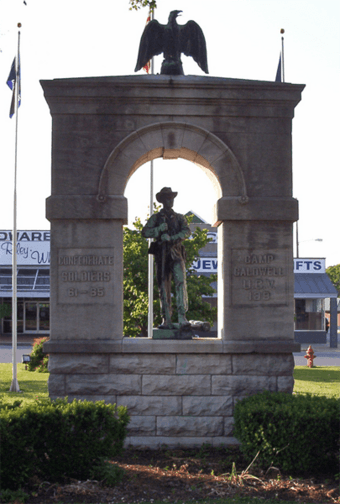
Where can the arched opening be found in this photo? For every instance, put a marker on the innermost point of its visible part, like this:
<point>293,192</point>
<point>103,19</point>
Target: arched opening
<point>198,190</point>
<point>172,141</point>
<point>197,187</point>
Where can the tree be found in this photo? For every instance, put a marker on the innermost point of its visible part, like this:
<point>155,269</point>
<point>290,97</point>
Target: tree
<point>334,274</point>
<point>137,4</point>
<point>5,310</point>
<point>135,282</point>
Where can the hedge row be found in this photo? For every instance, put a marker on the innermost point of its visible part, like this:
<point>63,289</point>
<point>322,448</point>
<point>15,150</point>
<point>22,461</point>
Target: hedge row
<point>297,433</point>
<point>56,439</point>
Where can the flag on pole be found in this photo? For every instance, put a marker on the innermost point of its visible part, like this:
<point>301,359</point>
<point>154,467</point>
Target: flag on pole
<point>147,66</point>
<point>13,80</point>
<point>280,74</point>
<point>278,77</point>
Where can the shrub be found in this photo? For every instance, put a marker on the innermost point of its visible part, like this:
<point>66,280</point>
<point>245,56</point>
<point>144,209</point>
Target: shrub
<point>107,472</point>
<point>39,360</point>
<point>298,433</point>
<point>55,440</point>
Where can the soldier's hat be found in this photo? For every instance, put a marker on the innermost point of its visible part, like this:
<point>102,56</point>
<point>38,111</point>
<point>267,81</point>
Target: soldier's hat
<point>165,193</point>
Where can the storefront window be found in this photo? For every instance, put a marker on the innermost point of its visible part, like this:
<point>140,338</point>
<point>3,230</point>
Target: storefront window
<point>44,316</point>
<point>37,316</point>
<point>310,315</point>
<point>31,311</point>
<point>33,316</point>
<point>20,318</point>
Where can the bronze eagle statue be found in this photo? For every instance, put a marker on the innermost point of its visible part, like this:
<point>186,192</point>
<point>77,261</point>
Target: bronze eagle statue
<point>172,39</point>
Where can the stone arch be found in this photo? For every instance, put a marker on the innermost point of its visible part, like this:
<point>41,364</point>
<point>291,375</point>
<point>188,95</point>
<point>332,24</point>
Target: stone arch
<point>173,140</point>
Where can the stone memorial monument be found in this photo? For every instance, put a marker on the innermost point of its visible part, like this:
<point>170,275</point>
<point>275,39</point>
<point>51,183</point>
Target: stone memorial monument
<point>179,393</point>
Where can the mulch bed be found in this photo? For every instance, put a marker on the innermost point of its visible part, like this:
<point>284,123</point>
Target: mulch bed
<point>188,475</point>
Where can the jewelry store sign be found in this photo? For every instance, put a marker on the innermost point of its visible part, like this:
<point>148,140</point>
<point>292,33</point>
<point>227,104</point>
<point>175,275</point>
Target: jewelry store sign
<point>85,276</point>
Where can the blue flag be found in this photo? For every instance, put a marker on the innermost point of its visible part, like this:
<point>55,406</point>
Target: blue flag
<point>278,77</point>
<point>12,81</point>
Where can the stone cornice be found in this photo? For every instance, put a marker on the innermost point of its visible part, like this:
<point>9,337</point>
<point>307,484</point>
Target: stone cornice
<point>150,346</point>
<point>189,95</point>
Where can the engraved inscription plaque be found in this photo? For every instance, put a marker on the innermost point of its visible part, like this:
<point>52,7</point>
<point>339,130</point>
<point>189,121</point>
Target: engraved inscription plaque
<point>85,276</point>
<point>259,278</point>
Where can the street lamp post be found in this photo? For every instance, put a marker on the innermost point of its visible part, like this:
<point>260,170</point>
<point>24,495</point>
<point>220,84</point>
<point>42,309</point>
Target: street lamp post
<point>303,241</point>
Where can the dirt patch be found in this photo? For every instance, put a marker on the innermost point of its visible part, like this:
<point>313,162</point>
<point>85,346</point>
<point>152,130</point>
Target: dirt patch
<point>184,475</point>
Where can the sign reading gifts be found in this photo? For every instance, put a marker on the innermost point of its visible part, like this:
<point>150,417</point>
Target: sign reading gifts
<point>309,265</point>
<point>209,265</point>
<point>33,248</point>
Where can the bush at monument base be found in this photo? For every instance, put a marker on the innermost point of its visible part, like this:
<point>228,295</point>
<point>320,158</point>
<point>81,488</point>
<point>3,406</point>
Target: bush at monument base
<point>296,433</point>
<point>56,439</point>
<point>39,360</point>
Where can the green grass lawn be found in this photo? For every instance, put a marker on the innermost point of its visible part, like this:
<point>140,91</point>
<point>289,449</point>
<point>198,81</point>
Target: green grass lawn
<point>323,380</point>
<point>32,385</point>
<point>318,380</point>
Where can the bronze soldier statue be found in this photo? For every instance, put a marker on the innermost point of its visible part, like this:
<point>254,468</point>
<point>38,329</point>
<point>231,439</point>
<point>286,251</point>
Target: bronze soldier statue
<point>169,230</point>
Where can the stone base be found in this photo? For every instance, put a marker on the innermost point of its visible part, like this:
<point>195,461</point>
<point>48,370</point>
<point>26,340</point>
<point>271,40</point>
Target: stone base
<point>173,334</point>
<point>157,442</point>
<point>178,393</point>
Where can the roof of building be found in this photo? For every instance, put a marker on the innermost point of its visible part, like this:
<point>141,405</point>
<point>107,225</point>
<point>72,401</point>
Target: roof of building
<point>316,285</point>
<point>196,218</point>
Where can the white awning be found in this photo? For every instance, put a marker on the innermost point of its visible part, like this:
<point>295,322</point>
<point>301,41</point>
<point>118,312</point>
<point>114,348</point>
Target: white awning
<point>31,282</point>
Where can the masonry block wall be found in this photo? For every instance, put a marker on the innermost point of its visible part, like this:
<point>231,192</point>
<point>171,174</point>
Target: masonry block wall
<point>174,396</point>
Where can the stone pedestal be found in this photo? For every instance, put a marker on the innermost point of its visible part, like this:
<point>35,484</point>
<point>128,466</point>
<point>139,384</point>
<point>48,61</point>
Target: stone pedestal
<point>172,334</point>
<point>239,132</point>
<point>178,393</point>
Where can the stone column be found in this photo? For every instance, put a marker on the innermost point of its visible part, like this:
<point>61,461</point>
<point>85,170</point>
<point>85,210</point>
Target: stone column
<point>86,267</point>
<point>257,268</point>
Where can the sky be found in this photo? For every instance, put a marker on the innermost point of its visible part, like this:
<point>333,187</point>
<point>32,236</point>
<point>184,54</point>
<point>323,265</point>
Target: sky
<point>83,38</point>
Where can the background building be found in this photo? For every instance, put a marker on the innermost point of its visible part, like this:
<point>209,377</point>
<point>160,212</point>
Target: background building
<point>312,288</point>
<point>33,281</point>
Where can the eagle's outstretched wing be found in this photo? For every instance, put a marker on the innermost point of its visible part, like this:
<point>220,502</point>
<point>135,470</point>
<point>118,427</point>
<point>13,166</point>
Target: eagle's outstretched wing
<point>192,43</point>
<point>151,43</point>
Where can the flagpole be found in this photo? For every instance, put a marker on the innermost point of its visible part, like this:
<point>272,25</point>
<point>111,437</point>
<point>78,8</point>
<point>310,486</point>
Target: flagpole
<point>150,256</point>
<point>283,55</point>
<point>15,385</point>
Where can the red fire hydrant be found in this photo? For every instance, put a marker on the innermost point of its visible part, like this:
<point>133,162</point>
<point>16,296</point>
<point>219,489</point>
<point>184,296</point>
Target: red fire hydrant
<point>310,356</point>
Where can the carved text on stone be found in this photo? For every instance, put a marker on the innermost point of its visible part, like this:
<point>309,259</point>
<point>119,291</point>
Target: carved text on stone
<point>85,276</point>
<point>259,277</point>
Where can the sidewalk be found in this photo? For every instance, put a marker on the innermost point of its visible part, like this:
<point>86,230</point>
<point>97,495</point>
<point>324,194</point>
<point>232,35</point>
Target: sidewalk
<point>24,347</point>
<point>325,356</point>
<point>22,339</point>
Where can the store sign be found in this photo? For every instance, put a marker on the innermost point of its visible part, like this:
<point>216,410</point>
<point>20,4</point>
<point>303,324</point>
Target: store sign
<point>205,265</point>
<point>309,265</point>
<point>33,248</point>
<point>212,236</point>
